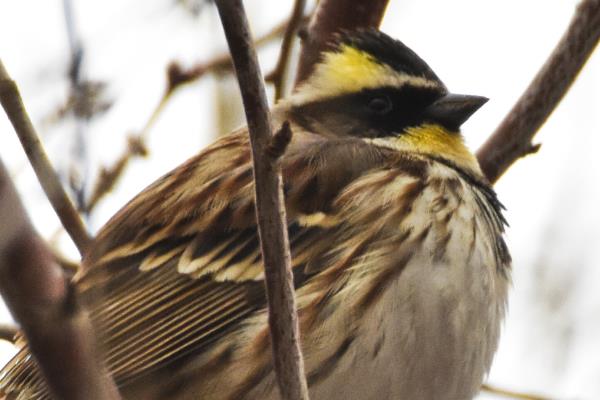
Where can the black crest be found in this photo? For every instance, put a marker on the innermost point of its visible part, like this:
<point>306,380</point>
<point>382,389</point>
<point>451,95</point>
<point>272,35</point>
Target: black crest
<point>387,50</point>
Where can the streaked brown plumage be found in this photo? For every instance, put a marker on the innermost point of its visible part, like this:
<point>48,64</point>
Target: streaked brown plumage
<point>400,267</point>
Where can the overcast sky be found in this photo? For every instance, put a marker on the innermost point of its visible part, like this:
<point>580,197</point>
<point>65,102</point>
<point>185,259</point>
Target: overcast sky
<point>550,343</point>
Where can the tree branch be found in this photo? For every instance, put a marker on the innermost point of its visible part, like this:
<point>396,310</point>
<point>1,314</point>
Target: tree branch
<point>177,76</point>
<point>15,110</point>
<point>85,100</point>
<point>279,74</point>
<point>270,210</point>
<point>45,305</point>
<point>333,16</point>
<point>512,139</point>
<point>108,176</point>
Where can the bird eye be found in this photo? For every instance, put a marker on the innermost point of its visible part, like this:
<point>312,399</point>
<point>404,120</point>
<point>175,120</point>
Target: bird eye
<point>380,105</point>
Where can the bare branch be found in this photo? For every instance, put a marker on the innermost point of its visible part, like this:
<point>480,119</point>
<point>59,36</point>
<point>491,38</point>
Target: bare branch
<point>8,332</point>
<point>109,176</point>
<point>333,16</point>
<point>511,394</point>
<point>177,76</point>
<point>512,139</point>
<point>279,74</point>
<point>13,106</point>
<point>270,209</point>
<point>45,305</point>
<point>83,101</point>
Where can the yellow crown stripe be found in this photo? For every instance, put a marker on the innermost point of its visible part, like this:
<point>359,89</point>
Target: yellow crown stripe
<point>351,70</point>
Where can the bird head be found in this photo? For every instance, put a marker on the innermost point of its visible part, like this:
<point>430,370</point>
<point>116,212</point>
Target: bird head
<point>371,86</point>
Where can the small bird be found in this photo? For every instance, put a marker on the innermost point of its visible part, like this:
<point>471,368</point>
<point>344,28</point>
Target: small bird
<point>400,268</point>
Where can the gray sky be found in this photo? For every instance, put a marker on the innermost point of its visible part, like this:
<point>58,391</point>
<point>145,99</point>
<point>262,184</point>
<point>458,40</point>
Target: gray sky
<point>493,49</point>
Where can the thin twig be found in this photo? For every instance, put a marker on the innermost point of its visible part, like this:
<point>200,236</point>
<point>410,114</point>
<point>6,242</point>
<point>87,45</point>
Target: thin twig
<point>511,394</point>
<point>15,110</point>
<point>177,76</point>
<point>109,176</point>
<point>279,75</point>
<point>41,299</point>
<point>330,17</point>
<point>78,171</point>
<point>8,332</point>
<point>512,139</point>
<point>270,209</point>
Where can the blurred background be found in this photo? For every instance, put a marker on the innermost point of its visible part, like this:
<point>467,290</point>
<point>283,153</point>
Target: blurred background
<point>551,340</point>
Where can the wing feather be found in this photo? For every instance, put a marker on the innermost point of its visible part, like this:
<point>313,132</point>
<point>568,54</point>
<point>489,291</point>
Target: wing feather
<point>179,266</point>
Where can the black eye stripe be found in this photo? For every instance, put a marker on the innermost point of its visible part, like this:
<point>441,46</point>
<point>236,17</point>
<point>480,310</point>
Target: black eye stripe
<point>409,97</point>
<point>378,112</point>
<point>405,106</point>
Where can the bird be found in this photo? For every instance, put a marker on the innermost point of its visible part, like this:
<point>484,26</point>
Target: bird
<point>401,270</point>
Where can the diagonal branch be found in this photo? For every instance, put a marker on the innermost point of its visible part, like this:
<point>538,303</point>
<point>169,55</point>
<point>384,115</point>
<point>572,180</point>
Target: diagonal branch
<point>15,110</point>
<point>333,16</point>
<point>44,303</point>
<point>512,139</point>
<point>177,76</point>
<point>280,72</point>
<point>108,177</point>
<point>270,209</point>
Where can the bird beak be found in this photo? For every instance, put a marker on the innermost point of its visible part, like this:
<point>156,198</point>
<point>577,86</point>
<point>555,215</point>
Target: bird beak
<point>452,110</point>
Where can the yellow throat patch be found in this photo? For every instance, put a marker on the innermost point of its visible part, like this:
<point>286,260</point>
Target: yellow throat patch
<point>434,140</point>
